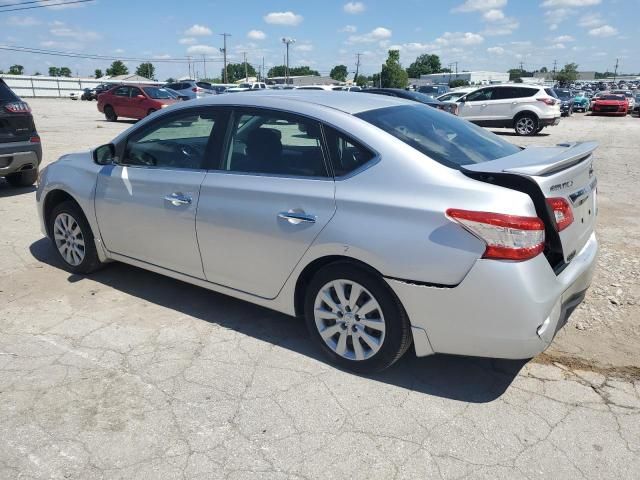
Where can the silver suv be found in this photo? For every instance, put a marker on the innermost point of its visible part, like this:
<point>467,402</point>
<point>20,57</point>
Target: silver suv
<point>192,88</point>
<point>527,109</point>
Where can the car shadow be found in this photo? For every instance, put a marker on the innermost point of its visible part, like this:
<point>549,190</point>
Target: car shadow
<point>468,379</point>
<point>504,133</point>
<point>127,121</point>
<point>7,190</point>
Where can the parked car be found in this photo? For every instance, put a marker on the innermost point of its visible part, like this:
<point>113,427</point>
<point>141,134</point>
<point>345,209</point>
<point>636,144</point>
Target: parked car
<point>380,221</point>
<point>450,107</point>
<point>192,88</point>
<point>133,101</point>
<point>580,101</point>
<point>433,90</point>
<point>630,98</point>
<point>526,109</point>
<point>566,101</point>
<point>247,86</point>
<point>454,95</point>
<point>177,95</point>
<point>103,87</point>
<point>88,94</point>
<point>610,104</point>
<point>20,148</point>
<point>637,104</point>
<point>326,88</point>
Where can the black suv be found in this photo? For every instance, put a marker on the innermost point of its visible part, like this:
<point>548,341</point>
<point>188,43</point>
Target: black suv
<point>20,149</point>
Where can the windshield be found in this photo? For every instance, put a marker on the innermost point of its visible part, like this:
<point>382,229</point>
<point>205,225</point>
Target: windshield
<point>441,136</point>
<point>244,85</point>
<point>158,93</point>
<point>421,97</point>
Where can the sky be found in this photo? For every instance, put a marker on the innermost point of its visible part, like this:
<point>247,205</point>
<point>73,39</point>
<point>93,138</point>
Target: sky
<point>477,34</point>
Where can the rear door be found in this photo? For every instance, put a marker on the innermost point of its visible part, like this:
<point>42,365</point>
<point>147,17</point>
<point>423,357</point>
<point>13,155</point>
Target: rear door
<point>267,202</point>
<point>137,106</point>
<point>120,101</point>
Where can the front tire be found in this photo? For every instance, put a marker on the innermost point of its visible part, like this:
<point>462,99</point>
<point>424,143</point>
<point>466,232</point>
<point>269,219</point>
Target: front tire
<point>110,114</point>
<point>526,124</point>
<point>25,178</point>
<point>355,318</point>
<point>73,239</point>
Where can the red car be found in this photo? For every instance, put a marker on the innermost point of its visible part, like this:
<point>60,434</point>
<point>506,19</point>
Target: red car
<point>134,101</point>
<point>610,104</point>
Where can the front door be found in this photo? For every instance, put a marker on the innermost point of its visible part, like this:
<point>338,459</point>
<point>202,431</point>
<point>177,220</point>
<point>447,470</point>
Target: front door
<point>476,105</point>
<point>146,205</point>
<point>263,208</point>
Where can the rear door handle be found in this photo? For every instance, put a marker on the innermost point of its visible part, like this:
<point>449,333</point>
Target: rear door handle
<point>297,217</point>
<point>178,199</point>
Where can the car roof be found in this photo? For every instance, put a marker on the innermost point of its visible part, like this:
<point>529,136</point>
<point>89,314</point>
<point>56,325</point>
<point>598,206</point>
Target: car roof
<point>298,100</point>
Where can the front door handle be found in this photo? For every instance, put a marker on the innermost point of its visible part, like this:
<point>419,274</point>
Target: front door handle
<point>178,199</point>
<point>297,217</point>
<point>483,105</point>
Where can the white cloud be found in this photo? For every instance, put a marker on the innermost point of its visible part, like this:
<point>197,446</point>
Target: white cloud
<point>256,35</point>
<point>563,39</point>
<point>197,31</point>
<point>349,29</point>
<point>354,7</point>
<point>62,30</point>
<point>503,27</point>
<point>569,3</point>
<point>118,50</point>
<point>23,21</point>
<point>375,35</point>
<point>496,50</point>
<point>480,5</point>
<point>164,56</point>
<point>556,46</point>
<point>283,18</point>
<point>603,31</point>
<point>304,47</point>
<point>591,20</point>
<point>493,15</point>
<point>187,41</point>
<point>202,50</point>
<point>553,26</point>
<point>459,38</point>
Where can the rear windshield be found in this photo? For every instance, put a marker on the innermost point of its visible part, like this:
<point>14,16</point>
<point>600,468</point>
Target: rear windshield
<point>6,95</point>
<point>421,97</point>
<point>611,97</point>
<point>441,136</point>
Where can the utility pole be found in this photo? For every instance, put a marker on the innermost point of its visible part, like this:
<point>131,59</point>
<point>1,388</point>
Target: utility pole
<point>521,67</point>
<point>263,73</point>
<point>287,41</point>
<point>204,65</point>
<point>355,79</point>
<point>555,64</point>
<point>224,54</point>
<point>615,72</point>
<point>246,73</point>
<point>189,62</point>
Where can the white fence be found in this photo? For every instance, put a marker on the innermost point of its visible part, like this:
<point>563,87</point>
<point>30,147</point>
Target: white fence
<point>40,86</point>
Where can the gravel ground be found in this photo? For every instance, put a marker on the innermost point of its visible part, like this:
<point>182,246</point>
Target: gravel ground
<point>127,374</point>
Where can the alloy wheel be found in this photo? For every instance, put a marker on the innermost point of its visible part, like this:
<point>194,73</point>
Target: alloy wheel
<point>349,319</point>
<point>525,126</point>
<point>69,239</point>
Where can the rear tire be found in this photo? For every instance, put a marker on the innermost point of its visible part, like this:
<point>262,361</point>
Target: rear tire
<point>72,238</point>
<point>110,114</point>
<point>25,178</point>
<point>364,342</point>
<point>539,129</point>
<point>526,124</point>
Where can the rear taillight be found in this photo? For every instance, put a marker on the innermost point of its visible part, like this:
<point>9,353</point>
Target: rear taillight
<point>197,89</point>
<point>508,237</point>
<point>18,107</point>
<point>561,212</point>
<point>547,100</point>
<point>34,139</point>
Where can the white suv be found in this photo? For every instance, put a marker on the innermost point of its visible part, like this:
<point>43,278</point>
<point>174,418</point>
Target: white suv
<point>527,109</point>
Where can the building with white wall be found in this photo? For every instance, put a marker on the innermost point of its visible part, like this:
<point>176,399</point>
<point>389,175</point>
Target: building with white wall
<point>474,78</point>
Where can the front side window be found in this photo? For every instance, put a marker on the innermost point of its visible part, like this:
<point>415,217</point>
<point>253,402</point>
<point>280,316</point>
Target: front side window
<point>275,143</point>
<point>122,92</point>
<point>158,93</point>
<point>179,141</point>
<point>444,138</point>
<point>480,95</point>
<point>135,92</point>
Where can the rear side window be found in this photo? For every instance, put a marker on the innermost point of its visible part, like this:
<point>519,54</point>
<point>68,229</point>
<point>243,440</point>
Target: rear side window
<point>6,95</point>
<point>204,85</point>
<point>443,137</point>
<point>346,154</point>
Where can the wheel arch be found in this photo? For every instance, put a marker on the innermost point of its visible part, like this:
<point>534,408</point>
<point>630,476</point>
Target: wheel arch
<point>313,267</point>
<point>523,113</point>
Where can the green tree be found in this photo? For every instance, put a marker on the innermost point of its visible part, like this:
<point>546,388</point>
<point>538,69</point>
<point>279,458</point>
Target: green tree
<point>544,70</point>
<point>54,72</point>
<point>393,75</point>
<point>64,72</point>
<point>458,83</point>
<point>117,68</point>
<point>424,65</point>
<point>281,71</point>
<point>339,73</point>
<point>568,74</point>
<point>170,80</point>
<point>16,70</point>
<point>146,70</point>
<point>97,73</point>
<point>235,72</point>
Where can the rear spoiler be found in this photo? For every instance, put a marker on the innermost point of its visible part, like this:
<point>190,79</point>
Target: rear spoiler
<point>537,161</point>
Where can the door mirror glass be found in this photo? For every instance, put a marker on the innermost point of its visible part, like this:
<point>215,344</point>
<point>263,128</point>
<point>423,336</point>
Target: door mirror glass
<point>140,97</point>
<point>105,154</point>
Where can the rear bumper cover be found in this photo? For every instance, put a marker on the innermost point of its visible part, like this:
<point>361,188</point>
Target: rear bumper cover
<point>548,122</point>
<point>500,310</point>
<point>16,156</point>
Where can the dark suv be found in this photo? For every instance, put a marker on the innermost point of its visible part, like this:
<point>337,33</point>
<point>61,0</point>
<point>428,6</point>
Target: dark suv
<point>20,149</point>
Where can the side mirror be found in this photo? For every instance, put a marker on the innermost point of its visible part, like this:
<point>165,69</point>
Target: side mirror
<point>140,97</point>
<point>105,154</point>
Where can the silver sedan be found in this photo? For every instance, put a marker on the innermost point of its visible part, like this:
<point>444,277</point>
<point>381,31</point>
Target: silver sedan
<point>380,221</point>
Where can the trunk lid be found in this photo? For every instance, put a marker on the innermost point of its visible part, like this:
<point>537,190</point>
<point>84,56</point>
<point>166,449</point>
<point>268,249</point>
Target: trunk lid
<point>15,127</point>
<point>564,171</point>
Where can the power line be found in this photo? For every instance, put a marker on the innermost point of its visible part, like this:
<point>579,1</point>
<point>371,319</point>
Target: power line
<point>42,6</point>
